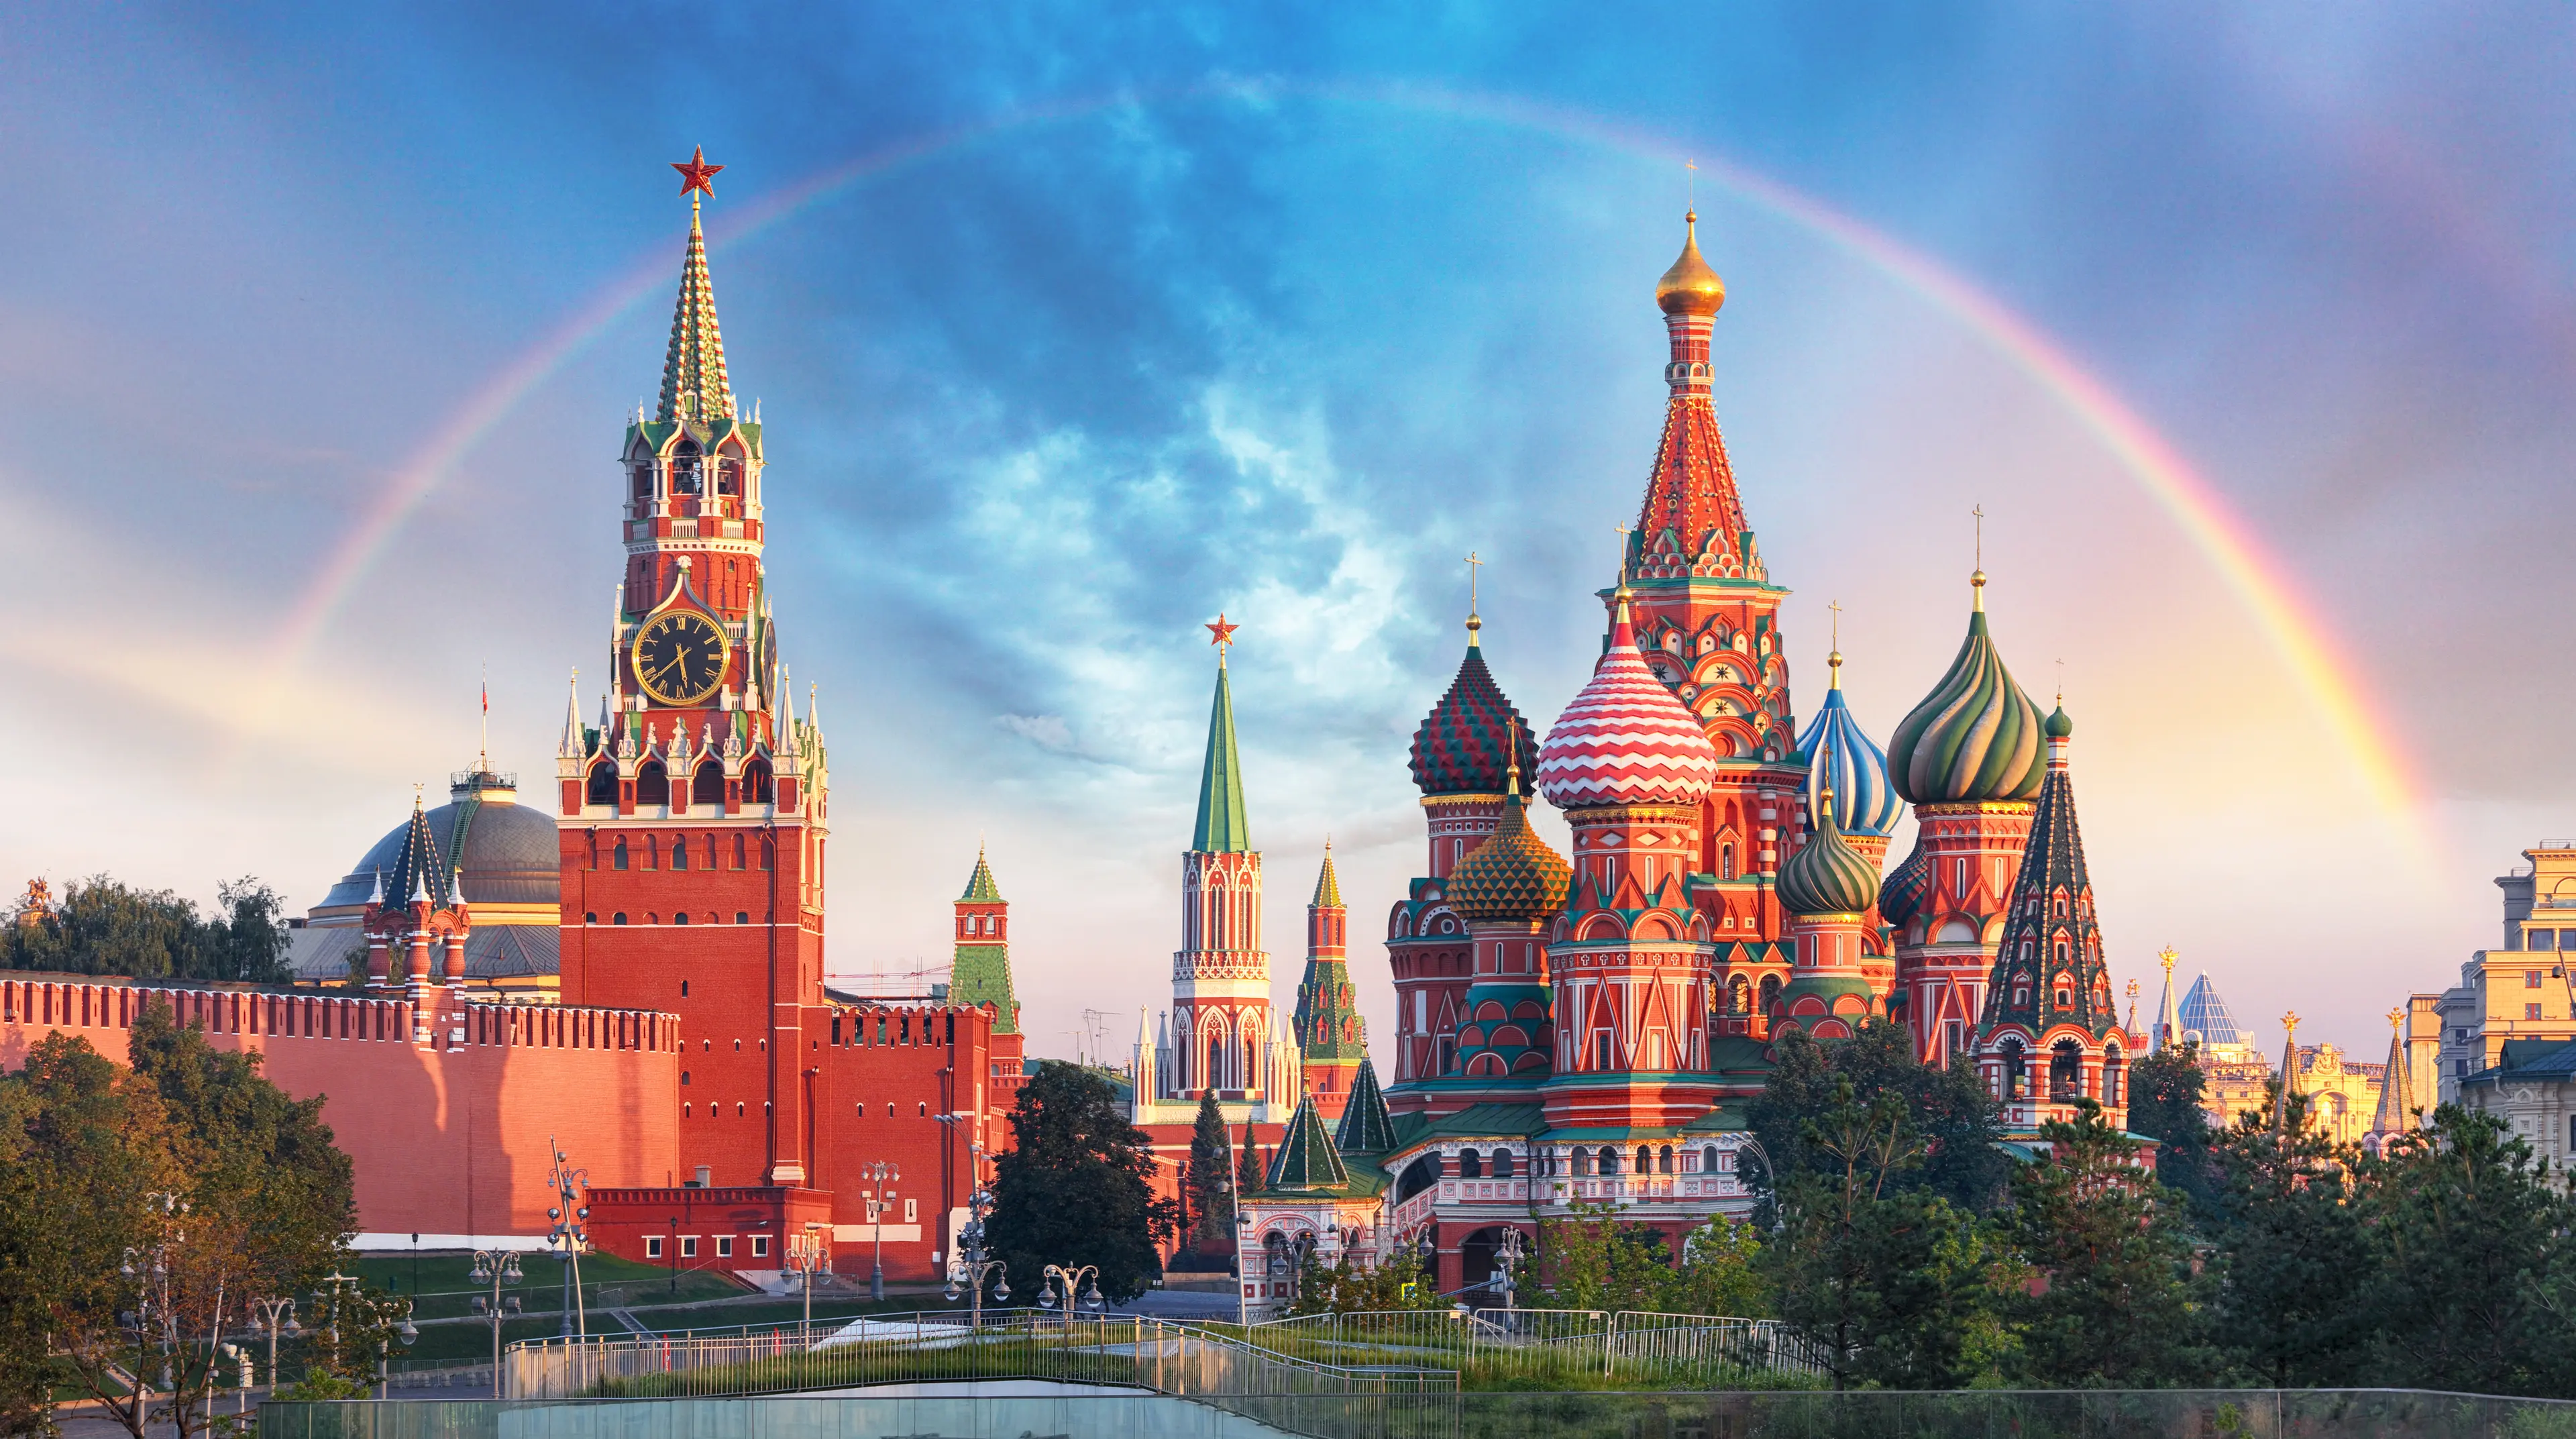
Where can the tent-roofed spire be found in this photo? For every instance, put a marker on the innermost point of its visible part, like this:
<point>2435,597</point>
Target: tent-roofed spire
<point>695,387</point>
<point>980,887</point>
<point>1224,825</point>
<point>1328,885</point>
<point>2396,1091</point>
<point>1306,1158</point>
<point>1367,1128</point>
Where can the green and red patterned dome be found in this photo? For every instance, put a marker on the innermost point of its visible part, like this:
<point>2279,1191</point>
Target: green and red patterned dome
<point>1976,737</point>
<point>1473,737</point>
<point>1513,875</point>
<point>1826,875</point>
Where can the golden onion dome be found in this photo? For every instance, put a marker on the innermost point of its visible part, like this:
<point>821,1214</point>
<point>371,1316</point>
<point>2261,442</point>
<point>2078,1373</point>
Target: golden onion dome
<point>1690,287</point>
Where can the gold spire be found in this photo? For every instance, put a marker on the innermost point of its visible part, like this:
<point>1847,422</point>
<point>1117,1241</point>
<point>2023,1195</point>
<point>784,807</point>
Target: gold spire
<point>2289,1073</point>
<point>1977,581</point>
<point>1690,287</point>
<point>1474,621</point>
<point>1834,656</point>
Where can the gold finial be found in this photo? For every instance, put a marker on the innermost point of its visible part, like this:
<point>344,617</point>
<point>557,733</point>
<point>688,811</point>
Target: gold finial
<point>2396,1020</point>
<point>1834,656</point>
<point>2061,684</point>
<point>2132,1025</point>
<point>1977,581</point>
<point>2168,956</point>
<point>1221,635</point>
<point>1690,287</point>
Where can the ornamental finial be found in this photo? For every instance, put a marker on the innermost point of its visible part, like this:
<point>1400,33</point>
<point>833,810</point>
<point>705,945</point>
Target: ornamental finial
<point>1221,635</point>
<point>696,175</point>
<point>1977,581</point>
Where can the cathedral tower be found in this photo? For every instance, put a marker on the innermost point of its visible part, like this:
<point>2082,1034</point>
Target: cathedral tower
<point>1969,760</point>
<point>692,815</point>
<point>1221,1034</point>
<point>1510,891</point>
<point>980,973</point>
<point>2051,1035</point>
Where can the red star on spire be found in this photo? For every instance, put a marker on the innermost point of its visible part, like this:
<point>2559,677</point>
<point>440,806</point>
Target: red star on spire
<point>696,173</point>
<point>1223,633</point>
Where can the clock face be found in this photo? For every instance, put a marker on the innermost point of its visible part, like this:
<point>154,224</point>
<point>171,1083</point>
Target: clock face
<point>679,658</point>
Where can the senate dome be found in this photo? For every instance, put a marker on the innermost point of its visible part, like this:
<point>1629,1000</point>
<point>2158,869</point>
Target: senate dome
<point>506,863</point>
<point>1625,739</point>
<point>1976,737</point>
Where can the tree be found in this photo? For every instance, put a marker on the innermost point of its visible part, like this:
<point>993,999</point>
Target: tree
<point>249,938</point>
<point>104,927</point>
<point>2116,1308</point>
<point>1893,1284</point>
<point>2166,1090</point>
<point>1593,1259</point>
<point>1345,1287</point>
<point>1077,1187</point>
<point>2291,1262</point>
<point>1948,1109</point>
<point>2475,1273</point>
<point>1208,1181</point>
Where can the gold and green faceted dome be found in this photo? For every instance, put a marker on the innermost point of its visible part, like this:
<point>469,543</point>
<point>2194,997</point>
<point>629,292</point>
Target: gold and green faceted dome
<point>1513,875</point>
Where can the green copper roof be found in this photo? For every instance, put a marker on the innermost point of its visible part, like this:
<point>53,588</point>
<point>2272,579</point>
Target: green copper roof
<point>1975,738</point>
<point>1329,1026</point>
<point>1224,826</point>
<point>694,385</point>
<point>980,889</point>
<point>1366,1126</point>
<point>1306,1159</point>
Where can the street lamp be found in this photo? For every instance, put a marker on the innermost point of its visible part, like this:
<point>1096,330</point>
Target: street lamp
<point>1060,1279</point>
<point>879,1197</point>
<point>409,1335</point>
<point>1507,1258</point>
<point>336,1285</point>
<point>968,1264</point>
<point>1242,1237</point>
<point>807,1252</point>
<point>567,1216</point>
<point>272,1314</point>
<point>496,1267</point>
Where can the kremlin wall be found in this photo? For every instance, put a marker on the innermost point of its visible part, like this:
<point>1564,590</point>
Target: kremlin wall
<point>629,963</point>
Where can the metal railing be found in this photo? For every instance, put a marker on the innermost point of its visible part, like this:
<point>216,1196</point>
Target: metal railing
<point>1570,1346</point>
<point>942,1346</point>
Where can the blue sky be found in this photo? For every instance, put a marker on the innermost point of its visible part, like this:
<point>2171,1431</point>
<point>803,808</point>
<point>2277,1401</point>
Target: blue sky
<point>1280,311</point>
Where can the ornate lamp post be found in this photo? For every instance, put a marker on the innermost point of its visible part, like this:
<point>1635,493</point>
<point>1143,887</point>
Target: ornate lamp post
<point>567,1233</point>
<point>970,1267</point>
<point>877,1175</point>
<point>807,1252</point>
<point>1507,1259</point>
<point>496,1267</point>
<point>1061,1279</point>
<point>272,1315</point>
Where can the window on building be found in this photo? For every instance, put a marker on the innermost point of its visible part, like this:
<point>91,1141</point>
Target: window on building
<point>724,1246</point>
<point>617,858</point>
<point>683,916</point>
<point>912,1211</point>
<point>2531,979</point>
<point>652,783</point>
<point>2540,939</point>
<point>688,1246</point>
<point>620,916</point>
<point>1601,1049</point>
<point>742,916</point>
<point>680,852</point>
<point>602,788</point>
<point>2531,1011</point>
<point>760,1246</point>
<point>1471,1165</point>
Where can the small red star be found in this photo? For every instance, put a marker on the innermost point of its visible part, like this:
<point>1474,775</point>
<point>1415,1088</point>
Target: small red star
<point>696,173</point>
<point>1223,632</point>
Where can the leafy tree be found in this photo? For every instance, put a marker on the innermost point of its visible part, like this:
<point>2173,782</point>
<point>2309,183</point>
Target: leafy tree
<point>1894,1284</point>
<point>1207,1180</point>
<point>101,926</point>
<point>2476,1246</point>
<point>2116,1308</point>
<point>248,938</point>
<point>1343,1287</point>
<point>1948,1109</point>
<point>1076,1187</point>
<point>1720,1273</point>
<point>1593,1259</point>
<point>2292,1263</point>
<point>2166,1090</point>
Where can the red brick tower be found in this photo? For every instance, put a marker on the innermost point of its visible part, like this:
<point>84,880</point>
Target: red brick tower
<point>1332,1039</point>
<point>692,817</point>
<point>1707,621</point>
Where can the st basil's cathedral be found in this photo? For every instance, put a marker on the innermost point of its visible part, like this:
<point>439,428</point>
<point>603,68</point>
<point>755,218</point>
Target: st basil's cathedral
<point>1588,1027</point>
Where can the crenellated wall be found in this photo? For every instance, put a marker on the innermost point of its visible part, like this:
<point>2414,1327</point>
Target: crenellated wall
<point>448,1137</point>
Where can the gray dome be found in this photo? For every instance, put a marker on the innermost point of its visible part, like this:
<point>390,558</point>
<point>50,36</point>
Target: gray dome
<point>510,854</point>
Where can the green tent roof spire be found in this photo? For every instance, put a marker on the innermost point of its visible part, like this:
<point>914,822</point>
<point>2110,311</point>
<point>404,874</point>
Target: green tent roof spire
<point>1306,1158</point>
<point>980,889</point>
<point>1224,827</point>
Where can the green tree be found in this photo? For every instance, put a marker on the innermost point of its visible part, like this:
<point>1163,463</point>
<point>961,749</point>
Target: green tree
<point>248,938</point>
<point>2116,1308</point>
<point>1208,1181</point>
<point>1720,1273</point>
<point>101,926</point>
<point>1594,1259</point>
<point>1343,1287</point>
<point>1894,1285</point>
<point>1947,1108</point>
<point>2166,1090</point>
<point>2292,1265</point>
<point>2475,1275</point>
<point>1076,1187</point>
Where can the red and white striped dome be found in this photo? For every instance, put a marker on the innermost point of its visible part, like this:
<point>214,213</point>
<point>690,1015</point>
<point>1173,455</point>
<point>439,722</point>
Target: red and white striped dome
<point>1625,739</point>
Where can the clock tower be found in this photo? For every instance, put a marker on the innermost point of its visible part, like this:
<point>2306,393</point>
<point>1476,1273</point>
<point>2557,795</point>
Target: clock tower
<point>691,813</point>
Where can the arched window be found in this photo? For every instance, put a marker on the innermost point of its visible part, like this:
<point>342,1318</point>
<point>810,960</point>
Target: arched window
<point>1645,1160</point>
<point>737,851</point>
<point>618,857</point>
<point>1770,992</point>
<point>1582,1160</point>
<point>1708,1160</point>
<point>617,918</point>
<point>1609,1159</point>
<point>652,784</point>
<point>756,787</point>
<point>728,476</point>
<point>679,851</point>
<point>768,851</point>
<point>1664,1160</point>
<point>684,469</point>
<point>1418,1176</point>
<point>708,787</point>
<point>1502,1164</point>
<point>680,918</point>
<point>652,851</point>
<point>1739,995</point>
<point>1215,1076</point>
<point>1726,861</point>
<point>642,478</point>
<point>1471,1165</point>
<point>603,784</point>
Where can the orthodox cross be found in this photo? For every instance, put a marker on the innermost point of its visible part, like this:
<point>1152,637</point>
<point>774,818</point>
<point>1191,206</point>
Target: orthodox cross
<point>1980,513</point>
<point>1693,167</point>
<point>2061,684</point>
<point>1473,564</point>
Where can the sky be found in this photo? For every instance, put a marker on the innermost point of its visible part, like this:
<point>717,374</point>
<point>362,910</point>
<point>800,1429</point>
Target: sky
<point>2249,328</point>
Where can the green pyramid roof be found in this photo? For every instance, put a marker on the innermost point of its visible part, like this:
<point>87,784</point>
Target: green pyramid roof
<point>980,889</point>
<point>1306,1159</point>
<point>1367,1128</point>
<point>1328,885</point>
<point>1224,827</point>
<point>695,388</point>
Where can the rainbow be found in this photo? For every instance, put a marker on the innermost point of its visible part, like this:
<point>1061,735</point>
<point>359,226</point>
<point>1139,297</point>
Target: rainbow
<point>2258,579</point>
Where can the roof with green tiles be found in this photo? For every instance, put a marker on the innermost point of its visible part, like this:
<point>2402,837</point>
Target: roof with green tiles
<point>1366,1126</point>
<point>1305,1159</point>
<point>1224,826</point>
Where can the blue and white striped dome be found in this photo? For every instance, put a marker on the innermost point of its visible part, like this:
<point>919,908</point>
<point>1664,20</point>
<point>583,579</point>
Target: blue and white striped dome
<point>1836,750</point>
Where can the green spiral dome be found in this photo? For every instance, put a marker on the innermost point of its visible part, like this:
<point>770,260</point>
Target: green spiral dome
<point>1828,876</point>
<point>1975,738</point>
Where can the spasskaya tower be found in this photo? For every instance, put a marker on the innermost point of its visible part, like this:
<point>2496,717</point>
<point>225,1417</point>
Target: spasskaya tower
<point>692,811</point>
